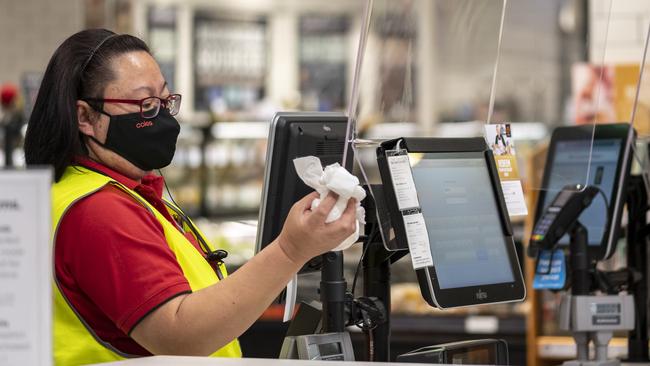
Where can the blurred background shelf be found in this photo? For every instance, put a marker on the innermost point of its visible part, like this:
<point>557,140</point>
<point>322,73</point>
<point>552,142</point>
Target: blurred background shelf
<point>564,348</point>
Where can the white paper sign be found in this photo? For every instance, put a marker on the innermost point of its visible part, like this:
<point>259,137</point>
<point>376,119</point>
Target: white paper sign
<point>400,170</point>
<point>25,268</point>
<point>513,195</point>
<point>418,240</point>
<point>500,140</point>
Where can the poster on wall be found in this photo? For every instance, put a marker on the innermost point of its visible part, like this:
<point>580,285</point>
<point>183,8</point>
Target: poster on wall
<point>25,268</point>
<point>605,94</point>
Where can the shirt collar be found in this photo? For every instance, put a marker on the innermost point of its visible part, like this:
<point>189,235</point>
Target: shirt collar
<point>155,182</point>
<point>150,181</point>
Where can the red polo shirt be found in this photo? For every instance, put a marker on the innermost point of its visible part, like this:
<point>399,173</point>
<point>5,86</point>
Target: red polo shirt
<point>112,261</point>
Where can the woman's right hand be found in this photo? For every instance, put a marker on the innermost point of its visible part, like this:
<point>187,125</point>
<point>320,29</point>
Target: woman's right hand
<point>306,235</point>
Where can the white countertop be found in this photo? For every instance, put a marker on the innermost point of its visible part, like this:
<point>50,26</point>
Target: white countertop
<point>206,361</point>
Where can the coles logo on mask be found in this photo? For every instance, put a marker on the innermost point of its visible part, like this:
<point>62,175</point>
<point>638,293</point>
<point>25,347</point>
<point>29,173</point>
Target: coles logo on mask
<point>143,124</point>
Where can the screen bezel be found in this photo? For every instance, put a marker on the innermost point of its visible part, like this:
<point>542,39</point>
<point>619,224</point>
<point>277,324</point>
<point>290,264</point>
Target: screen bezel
<point>621,131</point>
<point>427,277</point>
<point>277,161</point>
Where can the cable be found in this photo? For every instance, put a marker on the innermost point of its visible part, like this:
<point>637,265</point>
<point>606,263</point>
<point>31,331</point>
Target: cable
<point>169,193</point>
<point>216,256</point>
<point>373,233</point>
<point>602,194</point>
<point>371,347</point>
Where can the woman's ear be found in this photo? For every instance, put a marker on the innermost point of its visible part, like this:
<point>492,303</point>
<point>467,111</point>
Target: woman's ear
<point>85,118</point>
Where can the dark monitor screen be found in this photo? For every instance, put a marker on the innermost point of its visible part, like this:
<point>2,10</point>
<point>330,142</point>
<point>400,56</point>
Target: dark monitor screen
<point>568,167</point>
<point>462,219</point>
<point>293,135</point>
<point>574,159</point>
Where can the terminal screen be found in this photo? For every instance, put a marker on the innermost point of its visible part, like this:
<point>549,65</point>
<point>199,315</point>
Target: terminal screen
<point>569,166</point>
<point>462,218</point>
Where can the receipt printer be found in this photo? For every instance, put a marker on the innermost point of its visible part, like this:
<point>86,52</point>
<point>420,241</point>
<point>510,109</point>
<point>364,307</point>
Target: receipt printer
<point>476,352</point>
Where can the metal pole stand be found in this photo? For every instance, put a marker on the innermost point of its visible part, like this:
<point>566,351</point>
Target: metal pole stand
<point>332,293</point>
<point>376,284</point>
<point>637,260</point>
<point>591,318</point>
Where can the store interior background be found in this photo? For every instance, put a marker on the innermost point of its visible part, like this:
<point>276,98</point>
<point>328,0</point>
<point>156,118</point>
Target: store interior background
<point>238,62</point>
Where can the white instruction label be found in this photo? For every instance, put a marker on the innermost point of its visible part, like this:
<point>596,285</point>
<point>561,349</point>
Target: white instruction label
<point>513,195</point>
<point>500,140</point>
<point>400,170</point>
<point>418,240</point>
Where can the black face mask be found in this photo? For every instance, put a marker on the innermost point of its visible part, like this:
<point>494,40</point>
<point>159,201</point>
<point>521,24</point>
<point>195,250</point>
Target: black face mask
<point>148,143</point>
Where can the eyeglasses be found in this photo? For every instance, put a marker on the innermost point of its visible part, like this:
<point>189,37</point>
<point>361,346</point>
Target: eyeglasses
<point>149,106</point>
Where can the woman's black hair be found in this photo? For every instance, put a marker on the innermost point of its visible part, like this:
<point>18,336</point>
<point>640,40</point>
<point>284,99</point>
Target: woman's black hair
<point>80,68</point>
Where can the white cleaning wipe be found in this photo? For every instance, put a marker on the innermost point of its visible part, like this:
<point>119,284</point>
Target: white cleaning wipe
<point>335,179</point>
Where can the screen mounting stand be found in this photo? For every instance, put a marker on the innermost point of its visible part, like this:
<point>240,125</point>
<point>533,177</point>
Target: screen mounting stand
<point>637,260</point>
<point>340,308</point>
<point>372,310</point>
<point>589,317</point>
<point>376,283</point>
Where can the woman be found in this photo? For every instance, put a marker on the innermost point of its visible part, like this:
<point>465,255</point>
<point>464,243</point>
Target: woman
<point>134,277</point>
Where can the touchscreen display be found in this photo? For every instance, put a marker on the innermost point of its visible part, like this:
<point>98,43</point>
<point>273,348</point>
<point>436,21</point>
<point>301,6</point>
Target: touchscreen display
<point>462,219</point>
<point>569,167</point>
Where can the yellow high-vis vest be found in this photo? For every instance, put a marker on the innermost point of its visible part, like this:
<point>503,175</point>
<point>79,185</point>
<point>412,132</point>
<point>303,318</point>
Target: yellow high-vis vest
<point>74,342</point>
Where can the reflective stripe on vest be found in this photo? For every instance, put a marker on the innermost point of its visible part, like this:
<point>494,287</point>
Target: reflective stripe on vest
<point>74,342</point>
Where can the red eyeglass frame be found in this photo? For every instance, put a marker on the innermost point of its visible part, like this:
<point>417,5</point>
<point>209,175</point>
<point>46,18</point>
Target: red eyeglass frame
<point>163,102</point>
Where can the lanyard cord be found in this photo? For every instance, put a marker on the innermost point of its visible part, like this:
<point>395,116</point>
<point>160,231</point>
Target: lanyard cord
<point>212,256</point>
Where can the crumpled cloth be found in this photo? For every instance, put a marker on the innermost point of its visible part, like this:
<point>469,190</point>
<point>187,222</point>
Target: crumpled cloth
<point>334,178</point>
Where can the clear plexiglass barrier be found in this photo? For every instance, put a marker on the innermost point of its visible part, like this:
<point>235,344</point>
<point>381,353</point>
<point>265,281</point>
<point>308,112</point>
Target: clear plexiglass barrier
<point>512,72</point>
<point>640,111</point>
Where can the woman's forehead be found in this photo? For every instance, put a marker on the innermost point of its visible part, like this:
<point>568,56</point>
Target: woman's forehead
<point>136,73</point>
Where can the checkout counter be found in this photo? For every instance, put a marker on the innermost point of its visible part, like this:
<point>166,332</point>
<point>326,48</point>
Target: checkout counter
<point>205,361</point>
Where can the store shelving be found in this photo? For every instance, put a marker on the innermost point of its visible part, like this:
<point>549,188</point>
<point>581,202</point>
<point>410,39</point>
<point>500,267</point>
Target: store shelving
<point>550,348</point>
<point>323,48</point>
<point>217,171</point>
<point>230,60</point>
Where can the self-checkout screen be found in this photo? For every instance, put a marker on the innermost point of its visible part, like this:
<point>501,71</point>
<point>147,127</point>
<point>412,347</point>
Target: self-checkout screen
<point>569,167</point>
<point>462,219</point>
